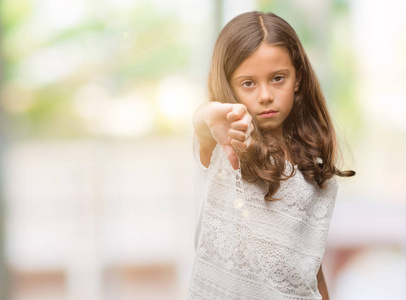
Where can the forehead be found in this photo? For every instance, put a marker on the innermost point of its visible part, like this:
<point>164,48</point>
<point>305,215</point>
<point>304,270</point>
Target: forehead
<point>267,58</point>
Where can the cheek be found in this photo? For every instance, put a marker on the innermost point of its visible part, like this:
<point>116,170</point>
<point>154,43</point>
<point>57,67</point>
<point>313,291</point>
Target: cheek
<point>238,95</point>
<point>245,98</point>
<point>291,102</point>
<point>286,96</point>
<point>291,105</point>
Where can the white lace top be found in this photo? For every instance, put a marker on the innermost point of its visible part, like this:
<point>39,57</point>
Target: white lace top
<point>250,249</point>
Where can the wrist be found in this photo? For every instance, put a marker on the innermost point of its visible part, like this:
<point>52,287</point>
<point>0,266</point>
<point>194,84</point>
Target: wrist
<point>201,121</point>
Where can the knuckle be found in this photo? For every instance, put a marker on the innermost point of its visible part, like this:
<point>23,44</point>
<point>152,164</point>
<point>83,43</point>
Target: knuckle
<point>231,133</point>
<point>244,126</point>
<point>241,108</point>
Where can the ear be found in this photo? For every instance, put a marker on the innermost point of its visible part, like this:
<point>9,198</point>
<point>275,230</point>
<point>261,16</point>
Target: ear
<point>298,79</point>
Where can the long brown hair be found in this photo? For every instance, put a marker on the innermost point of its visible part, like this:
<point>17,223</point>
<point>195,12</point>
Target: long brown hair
<point>308,133</point>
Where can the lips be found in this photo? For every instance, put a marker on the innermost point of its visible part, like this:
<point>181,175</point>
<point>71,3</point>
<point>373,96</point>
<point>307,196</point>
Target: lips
<point>271,111</point>
<point>268,114</point>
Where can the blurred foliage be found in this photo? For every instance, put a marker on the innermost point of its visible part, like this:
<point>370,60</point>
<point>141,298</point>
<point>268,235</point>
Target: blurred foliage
<point>119,49</point>
<point>13,13</point>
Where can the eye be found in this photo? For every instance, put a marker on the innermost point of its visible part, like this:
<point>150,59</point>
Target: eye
<point>278,78</point>
<point>248,84</point>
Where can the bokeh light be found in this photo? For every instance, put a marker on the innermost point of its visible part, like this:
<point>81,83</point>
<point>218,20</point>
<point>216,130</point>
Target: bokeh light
<point>97,99</point>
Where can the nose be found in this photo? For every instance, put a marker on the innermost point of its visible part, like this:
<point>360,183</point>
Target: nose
<point>265,94</point>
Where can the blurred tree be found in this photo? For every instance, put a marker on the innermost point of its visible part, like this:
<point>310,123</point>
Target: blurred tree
<point>117,49</point>
<point>4,272</point>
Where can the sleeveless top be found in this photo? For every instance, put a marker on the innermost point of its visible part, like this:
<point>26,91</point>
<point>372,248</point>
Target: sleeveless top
<point>251,249</point>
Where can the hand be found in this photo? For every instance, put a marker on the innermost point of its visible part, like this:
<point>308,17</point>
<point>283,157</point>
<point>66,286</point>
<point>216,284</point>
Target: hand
<point>230,125</point>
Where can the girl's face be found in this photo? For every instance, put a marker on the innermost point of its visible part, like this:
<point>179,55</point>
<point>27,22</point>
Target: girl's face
<point>266,83</point>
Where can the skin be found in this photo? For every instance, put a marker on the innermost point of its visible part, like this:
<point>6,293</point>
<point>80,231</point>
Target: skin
<point>265,81</point>
<point>227,124</point>
<point>322,285</point>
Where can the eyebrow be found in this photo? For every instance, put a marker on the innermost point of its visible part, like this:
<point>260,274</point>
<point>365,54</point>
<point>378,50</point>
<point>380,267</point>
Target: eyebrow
<point>253,76</point>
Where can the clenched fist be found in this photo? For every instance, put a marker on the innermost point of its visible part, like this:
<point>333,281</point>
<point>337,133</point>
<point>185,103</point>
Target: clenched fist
<point>230,126</point>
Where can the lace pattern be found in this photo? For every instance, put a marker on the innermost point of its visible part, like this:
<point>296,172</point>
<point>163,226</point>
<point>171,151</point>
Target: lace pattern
<point>250,249</point>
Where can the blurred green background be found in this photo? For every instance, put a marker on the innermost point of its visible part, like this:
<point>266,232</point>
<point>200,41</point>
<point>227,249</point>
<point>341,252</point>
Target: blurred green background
<point>96,170</point>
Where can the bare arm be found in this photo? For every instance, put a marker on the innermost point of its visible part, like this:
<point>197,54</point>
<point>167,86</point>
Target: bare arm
<point>224,123</point>
<point>203,133</point>
<point>322,284</point>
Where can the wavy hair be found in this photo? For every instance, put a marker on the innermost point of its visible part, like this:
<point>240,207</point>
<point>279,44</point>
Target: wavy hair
<point>308,132</point>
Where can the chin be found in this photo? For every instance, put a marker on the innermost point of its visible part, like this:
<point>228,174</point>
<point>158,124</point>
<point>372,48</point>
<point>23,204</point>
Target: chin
<point>276,130</point>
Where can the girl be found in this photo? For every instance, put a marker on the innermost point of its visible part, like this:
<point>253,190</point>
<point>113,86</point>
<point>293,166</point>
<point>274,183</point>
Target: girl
<point>266,151</point>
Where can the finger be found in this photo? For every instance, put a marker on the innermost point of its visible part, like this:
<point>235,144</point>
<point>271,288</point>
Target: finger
<point>238,112</point>
<point>238,135</point>
<point>250,129</point>
<point>239,145</point>
<point>242,124</point>
<point>241,130</point>
<point>246,129</point>
<point>248,141</point>
<point>232,156</point>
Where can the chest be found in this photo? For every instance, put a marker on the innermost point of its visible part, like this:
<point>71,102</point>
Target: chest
<point>297,198</point>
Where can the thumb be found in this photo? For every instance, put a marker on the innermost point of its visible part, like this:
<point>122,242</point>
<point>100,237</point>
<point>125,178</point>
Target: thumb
<point>232,156</point>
